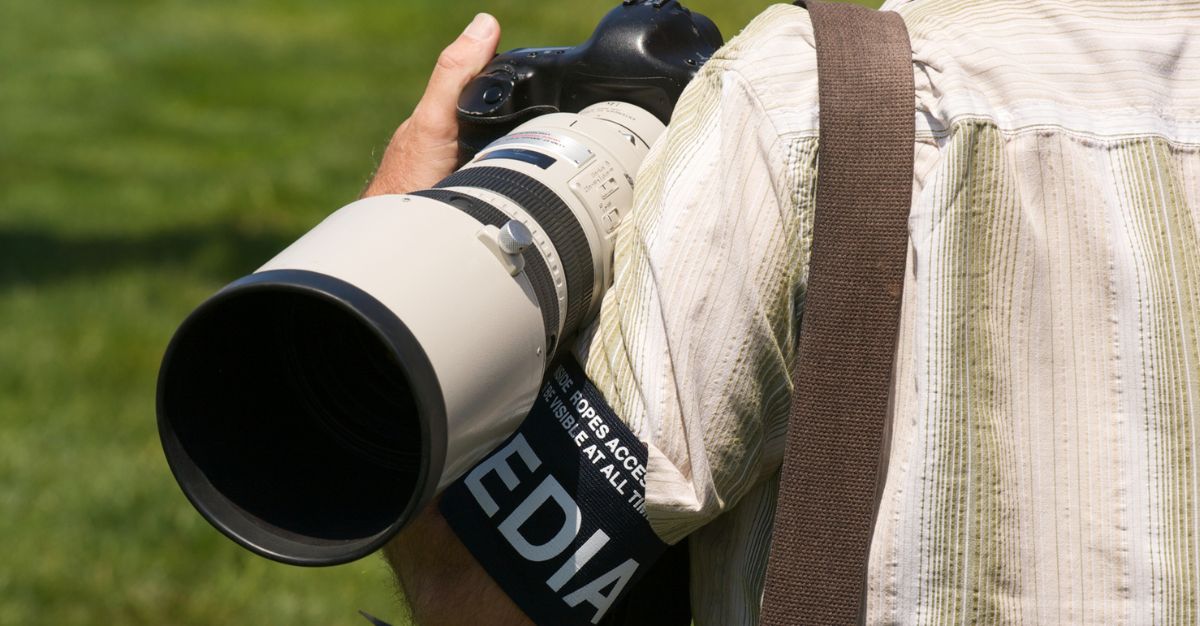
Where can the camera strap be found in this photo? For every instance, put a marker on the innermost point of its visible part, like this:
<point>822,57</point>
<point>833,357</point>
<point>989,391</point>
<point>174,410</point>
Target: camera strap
<point>838,431</point>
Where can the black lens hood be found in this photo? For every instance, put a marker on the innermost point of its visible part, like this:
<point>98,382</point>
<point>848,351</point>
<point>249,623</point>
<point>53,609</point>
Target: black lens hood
<point>336,518</point>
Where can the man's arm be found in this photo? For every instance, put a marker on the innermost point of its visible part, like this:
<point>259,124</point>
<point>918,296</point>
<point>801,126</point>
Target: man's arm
<point>444,584</point>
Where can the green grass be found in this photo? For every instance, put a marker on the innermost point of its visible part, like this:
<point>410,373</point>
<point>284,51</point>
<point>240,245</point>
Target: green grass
<point>151,151</point>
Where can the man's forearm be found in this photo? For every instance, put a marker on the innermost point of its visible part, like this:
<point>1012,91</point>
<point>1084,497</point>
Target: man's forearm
<point>444,584</point>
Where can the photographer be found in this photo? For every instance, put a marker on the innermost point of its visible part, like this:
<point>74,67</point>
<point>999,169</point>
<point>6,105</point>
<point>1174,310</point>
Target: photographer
<point>1043,454</point>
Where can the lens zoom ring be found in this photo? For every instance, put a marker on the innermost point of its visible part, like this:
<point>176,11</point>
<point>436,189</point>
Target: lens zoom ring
<point>535,266</point>
<point>555,217</point>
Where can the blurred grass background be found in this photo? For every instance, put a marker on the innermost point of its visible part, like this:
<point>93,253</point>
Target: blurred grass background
<point>150,152</point>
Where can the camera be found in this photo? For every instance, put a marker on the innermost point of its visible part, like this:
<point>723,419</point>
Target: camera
<point>643,53</point>
<point>311,409</point>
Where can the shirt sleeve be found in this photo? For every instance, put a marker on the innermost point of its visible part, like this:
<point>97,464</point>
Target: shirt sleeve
<point>694,343</point>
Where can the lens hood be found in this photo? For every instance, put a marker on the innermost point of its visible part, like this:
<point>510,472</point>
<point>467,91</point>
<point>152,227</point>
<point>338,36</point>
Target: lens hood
<point>301,417</point>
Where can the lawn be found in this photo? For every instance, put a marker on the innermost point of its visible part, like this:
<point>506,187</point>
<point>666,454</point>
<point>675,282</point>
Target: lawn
<point>151,151</point>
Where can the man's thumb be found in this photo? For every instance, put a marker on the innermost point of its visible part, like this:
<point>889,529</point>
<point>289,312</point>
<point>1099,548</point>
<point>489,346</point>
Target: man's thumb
<point>483,28</point>
<point>457,65</point>
<point>473,48</point>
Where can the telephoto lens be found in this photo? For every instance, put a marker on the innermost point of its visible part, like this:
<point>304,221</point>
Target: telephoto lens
<point>310,409</point>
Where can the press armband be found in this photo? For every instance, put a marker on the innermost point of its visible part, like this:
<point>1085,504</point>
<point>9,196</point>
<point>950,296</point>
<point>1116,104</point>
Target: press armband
<point>556,515</point>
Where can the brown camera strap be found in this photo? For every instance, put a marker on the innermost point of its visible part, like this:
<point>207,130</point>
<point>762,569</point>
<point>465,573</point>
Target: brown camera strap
<point>834,463</point>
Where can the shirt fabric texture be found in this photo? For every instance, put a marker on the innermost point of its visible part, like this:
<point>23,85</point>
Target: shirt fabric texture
<point>1043,466</point>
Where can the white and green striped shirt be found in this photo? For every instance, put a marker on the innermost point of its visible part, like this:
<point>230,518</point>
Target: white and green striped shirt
<point>1045,460</point>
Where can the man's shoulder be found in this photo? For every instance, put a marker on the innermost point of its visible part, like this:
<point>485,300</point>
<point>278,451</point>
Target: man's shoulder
<point>772,65</point>
<point>780,33</point>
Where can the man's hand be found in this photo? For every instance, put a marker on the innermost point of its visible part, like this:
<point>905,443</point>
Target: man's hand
<point>424,149</point>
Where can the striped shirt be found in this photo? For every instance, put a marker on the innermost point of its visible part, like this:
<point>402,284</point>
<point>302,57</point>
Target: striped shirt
<point>1045,458</point>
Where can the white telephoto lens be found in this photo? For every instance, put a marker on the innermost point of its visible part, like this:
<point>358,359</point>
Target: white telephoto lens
<point>311,409</point>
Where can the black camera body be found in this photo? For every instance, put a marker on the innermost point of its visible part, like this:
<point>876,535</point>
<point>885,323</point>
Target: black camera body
<point>643,52</point>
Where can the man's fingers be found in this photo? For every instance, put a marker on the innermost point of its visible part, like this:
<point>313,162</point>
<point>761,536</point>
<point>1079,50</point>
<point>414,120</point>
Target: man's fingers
<point>456,66</point>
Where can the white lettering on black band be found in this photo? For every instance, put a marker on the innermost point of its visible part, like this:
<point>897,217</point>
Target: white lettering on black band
<point>556,515</point>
